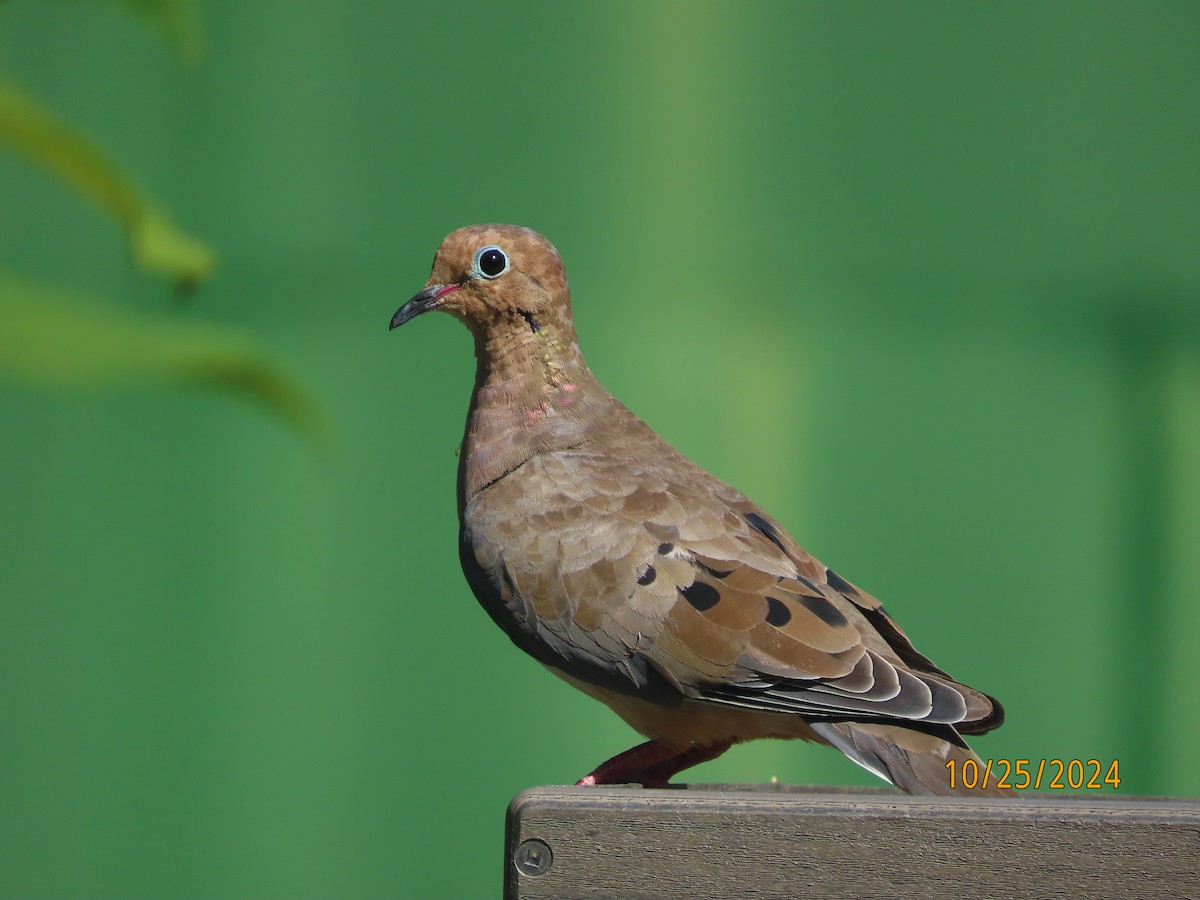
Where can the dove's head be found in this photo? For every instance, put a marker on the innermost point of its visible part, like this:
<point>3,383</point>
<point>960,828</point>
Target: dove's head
<point>498,279</point>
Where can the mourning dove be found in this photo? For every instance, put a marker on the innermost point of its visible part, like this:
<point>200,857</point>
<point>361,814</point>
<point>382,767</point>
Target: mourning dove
<point>639,578</point>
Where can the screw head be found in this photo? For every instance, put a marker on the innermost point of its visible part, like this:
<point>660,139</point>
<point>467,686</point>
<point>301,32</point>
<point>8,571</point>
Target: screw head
<point>533,858</point>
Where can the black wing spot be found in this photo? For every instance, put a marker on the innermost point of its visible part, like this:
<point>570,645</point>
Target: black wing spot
<point>716,573</point>
<point>777,612</point>
<point>838,583</point>
<point>766,529</point>
<point>648,576</point>
<point>702,596</point>
<point>664,549</point>
<point>808,584</point>
<point>824,610</point>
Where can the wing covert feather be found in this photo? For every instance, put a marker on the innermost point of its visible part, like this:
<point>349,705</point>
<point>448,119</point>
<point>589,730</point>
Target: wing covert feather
<point>632,571</point>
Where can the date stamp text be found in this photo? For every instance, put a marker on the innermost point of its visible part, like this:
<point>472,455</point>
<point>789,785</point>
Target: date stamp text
<point>1034,774</point>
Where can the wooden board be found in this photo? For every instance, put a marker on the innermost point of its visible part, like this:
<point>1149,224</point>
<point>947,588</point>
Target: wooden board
<point>724,841</point>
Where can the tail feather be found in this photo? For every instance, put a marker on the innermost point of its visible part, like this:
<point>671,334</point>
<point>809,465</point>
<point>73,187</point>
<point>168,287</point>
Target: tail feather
<point>914,761</point>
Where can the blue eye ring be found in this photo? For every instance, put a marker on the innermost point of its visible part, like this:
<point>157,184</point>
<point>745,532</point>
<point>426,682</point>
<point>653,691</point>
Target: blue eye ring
<point>491,262</point>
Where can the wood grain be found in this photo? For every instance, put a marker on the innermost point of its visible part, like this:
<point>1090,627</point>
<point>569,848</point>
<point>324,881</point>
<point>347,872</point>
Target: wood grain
<point>780,841</point>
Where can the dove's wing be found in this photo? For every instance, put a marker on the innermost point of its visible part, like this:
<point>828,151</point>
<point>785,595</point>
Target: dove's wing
<point>642,578</point>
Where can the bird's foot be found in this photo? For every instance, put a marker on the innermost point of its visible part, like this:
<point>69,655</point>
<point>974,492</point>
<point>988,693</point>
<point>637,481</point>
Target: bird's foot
<point>651,764</point>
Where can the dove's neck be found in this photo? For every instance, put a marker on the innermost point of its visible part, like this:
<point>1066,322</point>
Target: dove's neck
<point>533,394</point>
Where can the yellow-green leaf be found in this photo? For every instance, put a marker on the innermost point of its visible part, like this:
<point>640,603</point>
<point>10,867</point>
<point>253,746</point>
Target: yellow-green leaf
<point>52,338</point>
<point>156,244</point>
<point>176,20</point>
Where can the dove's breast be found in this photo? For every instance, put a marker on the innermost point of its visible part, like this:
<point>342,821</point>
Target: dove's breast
<point>559,561</point>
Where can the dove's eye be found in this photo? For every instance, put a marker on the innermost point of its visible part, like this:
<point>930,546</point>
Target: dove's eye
<point>491,262</point>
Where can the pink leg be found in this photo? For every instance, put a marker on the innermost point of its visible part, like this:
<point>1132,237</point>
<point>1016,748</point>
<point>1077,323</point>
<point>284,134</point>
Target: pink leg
<point>651,764</point>
<point>661,773</point>
<point>624,767</point>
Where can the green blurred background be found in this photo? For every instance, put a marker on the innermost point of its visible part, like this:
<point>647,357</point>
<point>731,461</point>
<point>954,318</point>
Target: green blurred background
<point>922,279</point>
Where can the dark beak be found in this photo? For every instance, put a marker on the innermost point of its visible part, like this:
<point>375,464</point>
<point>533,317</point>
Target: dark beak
<point>422,302</point>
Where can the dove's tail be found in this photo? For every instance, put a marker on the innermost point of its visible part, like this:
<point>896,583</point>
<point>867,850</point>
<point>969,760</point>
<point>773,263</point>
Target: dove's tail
<point>914,761</point>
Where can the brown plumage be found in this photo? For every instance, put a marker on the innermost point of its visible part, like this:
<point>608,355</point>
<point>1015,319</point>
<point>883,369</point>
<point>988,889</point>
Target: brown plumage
<point>647,583</point>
